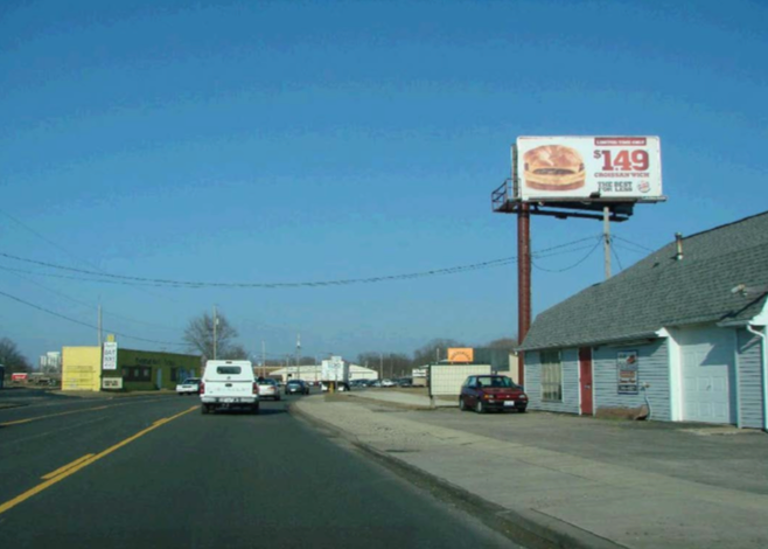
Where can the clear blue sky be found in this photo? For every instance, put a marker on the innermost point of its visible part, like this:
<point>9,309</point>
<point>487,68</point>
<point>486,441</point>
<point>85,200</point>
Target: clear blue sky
<point>293,141</point>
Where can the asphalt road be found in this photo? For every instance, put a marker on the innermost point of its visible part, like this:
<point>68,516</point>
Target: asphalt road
<point>153,471</point>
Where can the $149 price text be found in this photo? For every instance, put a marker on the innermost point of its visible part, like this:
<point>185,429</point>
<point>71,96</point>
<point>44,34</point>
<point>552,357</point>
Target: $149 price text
<point>624,160</point>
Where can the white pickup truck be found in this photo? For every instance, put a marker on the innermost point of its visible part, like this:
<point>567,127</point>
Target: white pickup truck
<point>229,384</point>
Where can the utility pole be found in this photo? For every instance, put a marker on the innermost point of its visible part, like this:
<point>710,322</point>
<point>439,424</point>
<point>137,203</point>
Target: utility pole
<point>298,356</point>
<point>101,338</point>
<point>263,359</point>
<point>215,325</point>
<point>607,240</point>
<point>381,366</point>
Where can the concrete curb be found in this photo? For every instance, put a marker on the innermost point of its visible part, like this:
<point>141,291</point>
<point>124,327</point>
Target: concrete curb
<point>529,528</point>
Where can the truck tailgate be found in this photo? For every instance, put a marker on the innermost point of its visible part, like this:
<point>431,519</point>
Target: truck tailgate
<point>228,388</point>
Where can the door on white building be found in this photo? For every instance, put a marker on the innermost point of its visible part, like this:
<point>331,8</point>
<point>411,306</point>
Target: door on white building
<point>707,364</point>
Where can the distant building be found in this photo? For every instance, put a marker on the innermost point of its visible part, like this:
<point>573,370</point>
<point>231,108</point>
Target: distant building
<point>311,373</point>
<point>92,369</point>
<point>50,362</point>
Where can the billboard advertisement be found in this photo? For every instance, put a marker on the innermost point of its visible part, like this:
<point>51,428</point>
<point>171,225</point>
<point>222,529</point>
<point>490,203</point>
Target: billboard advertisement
<point>588,168</point>
<point>109,361</point>
<point>461,354</point>
<point>334,369</point>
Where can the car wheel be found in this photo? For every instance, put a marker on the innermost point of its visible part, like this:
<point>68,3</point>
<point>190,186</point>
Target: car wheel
<point>255,409</point>
<point>277,398</point>
<point>204,409</point>
<point>479,408</point>
<point>521,410</point>
<point>462,405</point>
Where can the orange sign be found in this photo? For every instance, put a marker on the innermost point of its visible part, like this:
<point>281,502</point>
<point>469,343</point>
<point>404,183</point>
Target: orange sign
<point>461,354</point>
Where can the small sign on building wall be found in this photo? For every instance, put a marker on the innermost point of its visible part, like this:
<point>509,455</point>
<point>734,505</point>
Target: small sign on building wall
<point>626,369</point>
<point>112,383</point>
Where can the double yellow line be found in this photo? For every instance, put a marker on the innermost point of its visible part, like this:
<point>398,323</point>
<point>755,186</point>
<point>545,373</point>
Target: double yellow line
<point>71,468</point>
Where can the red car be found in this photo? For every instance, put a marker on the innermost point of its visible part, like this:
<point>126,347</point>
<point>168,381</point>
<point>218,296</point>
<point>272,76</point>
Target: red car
<point>483,393</point>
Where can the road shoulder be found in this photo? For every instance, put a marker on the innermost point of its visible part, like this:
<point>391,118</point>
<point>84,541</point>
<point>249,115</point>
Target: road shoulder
<point>556,498</point>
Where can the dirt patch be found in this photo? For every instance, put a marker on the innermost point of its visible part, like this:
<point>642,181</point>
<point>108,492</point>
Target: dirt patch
<point>640,412</point>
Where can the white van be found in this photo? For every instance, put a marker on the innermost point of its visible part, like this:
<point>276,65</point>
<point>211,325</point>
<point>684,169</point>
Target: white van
<point>229,384</point>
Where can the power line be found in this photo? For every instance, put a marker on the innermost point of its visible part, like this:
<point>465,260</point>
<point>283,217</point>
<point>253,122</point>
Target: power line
<point>71,299</point>
<point>628,248</point>
<point>541,253</point>
<point>87,325</point>
<point>572,250</point>
<point>146,281</point>
<point>70,254</point>
<point>633,243</point>
<point>579,262</point>
<point>616,255</point>
<point>143,281</point>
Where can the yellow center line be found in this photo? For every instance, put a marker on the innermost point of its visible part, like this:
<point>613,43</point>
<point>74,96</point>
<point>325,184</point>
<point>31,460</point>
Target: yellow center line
<point>72,468</point>
<point>29,419</point>
<point>60,470</point>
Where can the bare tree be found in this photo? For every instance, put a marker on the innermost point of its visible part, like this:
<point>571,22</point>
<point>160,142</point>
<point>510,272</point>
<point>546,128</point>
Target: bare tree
<point>199,338</point>
<point>433,351</point>
<point>233,352</point>
<point>10,356</point>
<point>506,343</point>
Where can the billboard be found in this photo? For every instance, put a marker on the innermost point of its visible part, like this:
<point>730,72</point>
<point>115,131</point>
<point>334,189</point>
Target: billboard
<point>461,354</point>
<point>588,168</point>
<point>334,369</point>
<point>110,356</point>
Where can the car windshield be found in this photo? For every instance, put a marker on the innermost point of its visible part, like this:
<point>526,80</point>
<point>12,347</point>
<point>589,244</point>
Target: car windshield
<point>228,370</point>
<point>192,381</point>
<point>267,382</point>
<point>495,381</point>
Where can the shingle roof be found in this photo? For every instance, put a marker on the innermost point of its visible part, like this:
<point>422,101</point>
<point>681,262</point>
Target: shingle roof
<point>660,291</point>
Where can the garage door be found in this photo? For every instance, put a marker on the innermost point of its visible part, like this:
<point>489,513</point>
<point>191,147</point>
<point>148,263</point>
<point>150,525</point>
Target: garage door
<point>707,368</point>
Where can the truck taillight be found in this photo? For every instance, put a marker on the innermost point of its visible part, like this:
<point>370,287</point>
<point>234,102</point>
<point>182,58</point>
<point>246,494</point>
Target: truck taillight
<point>202,388</point>
<point>255,388</point>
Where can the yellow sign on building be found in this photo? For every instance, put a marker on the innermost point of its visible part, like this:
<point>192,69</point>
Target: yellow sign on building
<point>81,368</point>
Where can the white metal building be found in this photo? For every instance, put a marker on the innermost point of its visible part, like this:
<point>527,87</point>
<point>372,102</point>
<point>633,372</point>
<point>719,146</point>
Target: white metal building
<point>311,373</point>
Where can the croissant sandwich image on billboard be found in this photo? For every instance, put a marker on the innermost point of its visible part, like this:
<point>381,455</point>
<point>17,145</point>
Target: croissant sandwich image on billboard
<point>553,168</point>
<point>588,169</point>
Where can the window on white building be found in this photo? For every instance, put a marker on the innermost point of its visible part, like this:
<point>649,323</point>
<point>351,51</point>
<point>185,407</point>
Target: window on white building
<point>551,376</point>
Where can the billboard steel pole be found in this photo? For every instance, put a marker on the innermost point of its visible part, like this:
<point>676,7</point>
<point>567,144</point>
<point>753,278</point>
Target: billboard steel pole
<point>523,282</point>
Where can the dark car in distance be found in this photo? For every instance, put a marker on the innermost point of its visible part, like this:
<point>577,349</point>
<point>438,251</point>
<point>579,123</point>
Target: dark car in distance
<point>492,392</point>
<point>297,386</point>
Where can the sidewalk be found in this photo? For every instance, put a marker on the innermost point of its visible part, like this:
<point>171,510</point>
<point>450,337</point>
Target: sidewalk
<point>578,482</point>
